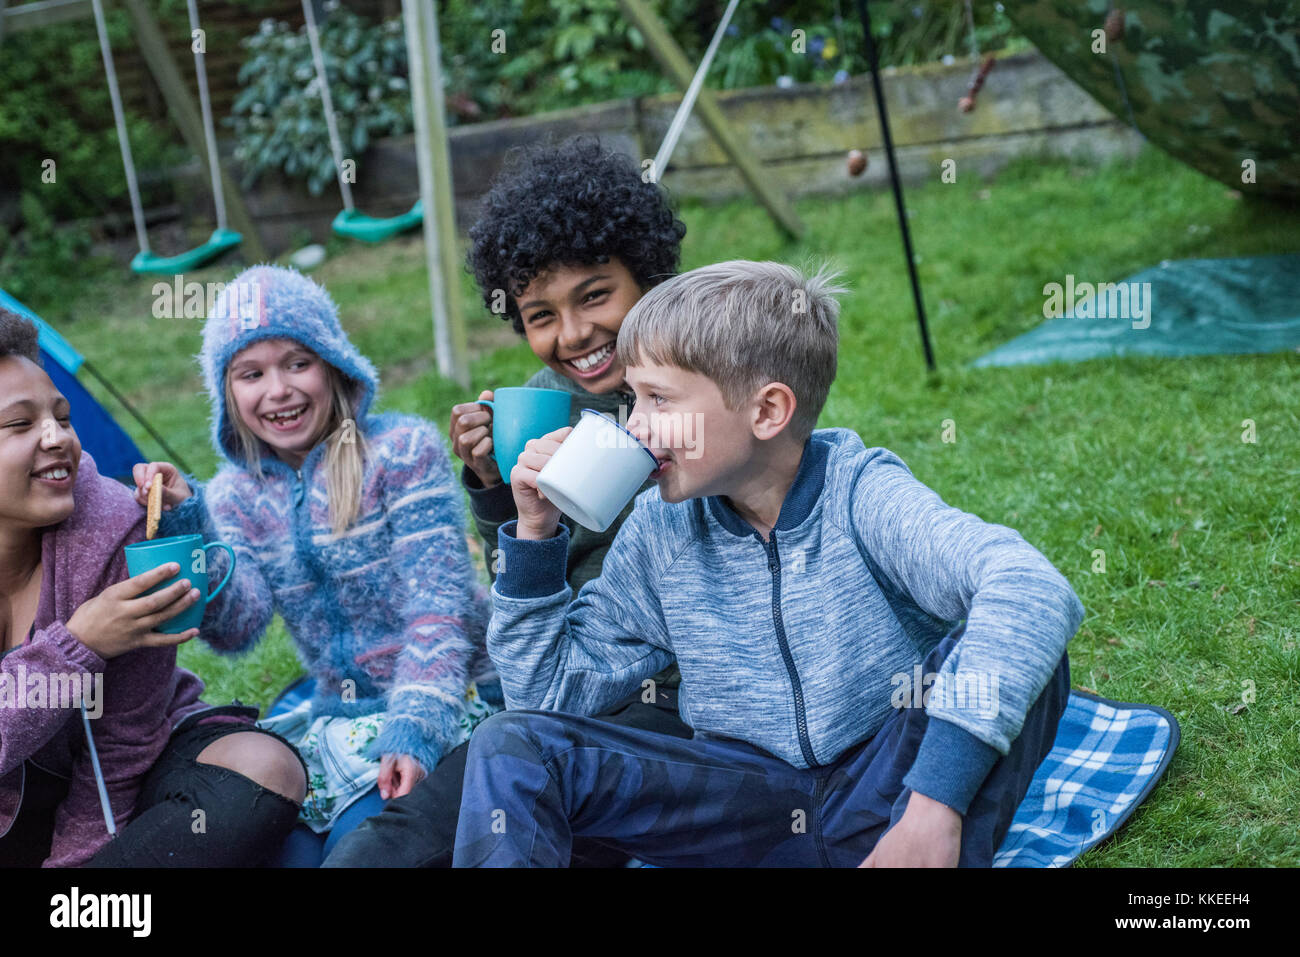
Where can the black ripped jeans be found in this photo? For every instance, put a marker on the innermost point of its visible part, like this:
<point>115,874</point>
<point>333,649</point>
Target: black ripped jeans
<point>188,814</point>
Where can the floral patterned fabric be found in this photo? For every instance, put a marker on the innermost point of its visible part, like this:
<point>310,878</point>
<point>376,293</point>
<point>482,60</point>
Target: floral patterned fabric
<point>334,748</point>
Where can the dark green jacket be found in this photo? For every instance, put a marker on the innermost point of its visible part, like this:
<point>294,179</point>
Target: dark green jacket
<point>495,506</point>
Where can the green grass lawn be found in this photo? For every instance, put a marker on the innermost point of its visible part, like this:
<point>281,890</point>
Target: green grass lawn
<point>1142,458</point>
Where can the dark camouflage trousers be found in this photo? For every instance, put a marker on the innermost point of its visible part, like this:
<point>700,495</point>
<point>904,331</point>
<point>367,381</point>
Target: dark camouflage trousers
<point>537,779</point>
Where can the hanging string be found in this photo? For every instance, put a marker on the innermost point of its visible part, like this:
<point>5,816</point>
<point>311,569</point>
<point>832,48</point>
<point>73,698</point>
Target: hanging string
<point>209,130</point>
<point>104,806</point>
<point>970,32</point>
<point>967,102</point>
<point>137,210</point>
<point>839,35</point>
<point>1113,28</point>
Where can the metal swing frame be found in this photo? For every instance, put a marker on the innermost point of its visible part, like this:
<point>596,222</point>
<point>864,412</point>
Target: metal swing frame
<point>351,222</point>
<point>223,238</point>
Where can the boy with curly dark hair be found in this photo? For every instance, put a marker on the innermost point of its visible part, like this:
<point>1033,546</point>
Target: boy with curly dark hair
<point>567,241</point>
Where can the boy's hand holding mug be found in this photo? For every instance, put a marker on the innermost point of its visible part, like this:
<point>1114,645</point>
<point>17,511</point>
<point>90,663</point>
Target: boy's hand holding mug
<point>471,439</point>
<point>538,517</point>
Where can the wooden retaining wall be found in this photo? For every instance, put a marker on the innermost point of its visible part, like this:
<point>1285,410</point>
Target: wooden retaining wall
<point>801,136</point>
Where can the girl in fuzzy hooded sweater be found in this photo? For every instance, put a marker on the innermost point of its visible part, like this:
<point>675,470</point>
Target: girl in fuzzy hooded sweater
<point>349,525</point>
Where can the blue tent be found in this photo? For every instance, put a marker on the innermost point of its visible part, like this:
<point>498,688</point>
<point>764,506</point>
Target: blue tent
<point>113,450</point>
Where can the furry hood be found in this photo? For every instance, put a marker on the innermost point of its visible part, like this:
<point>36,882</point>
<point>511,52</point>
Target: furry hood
<point>274,302</point>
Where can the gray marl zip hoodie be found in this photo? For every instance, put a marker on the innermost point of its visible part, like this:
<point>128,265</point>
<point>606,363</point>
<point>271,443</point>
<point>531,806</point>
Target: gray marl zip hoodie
<point>801,645</point>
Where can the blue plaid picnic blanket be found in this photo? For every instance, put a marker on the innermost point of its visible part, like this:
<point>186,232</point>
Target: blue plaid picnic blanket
<point>1107,757</point>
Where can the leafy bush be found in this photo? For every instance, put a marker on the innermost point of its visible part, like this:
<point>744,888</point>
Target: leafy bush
<point>518,57</point>
<point>54,104</point>
<point>558,53</point>
<point>562,53</point>
<point>759,49</point>
<point>38,263</point>
<point>279,118</point>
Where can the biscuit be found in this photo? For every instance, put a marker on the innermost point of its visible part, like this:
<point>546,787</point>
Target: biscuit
<point>154,514</point>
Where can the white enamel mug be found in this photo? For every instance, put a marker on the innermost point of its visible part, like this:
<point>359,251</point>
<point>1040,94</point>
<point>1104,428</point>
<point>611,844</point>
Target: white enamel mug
<point>596,471</point>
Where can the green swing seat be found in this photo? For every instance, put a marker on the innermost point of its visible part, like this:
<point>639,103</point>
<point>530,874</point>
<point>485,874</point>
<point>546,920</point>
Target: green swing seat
<point>150,263</point>
<point>369,229</point>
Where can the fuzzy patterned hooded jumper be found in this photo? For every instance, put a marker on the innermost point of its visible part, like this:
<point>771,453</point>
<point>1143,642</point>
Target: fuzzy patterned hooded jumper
<point>387,616</point>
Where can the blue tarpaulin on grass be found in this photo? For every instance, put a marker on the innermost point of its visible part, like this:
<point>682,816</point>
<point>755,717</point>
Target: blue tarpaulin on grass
<point>1181,307</point>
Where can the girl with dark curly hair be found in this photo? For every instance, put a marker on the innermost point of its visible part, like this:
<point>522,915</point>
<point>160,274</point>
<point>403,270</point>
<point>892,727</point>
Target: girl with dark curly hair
<point>567,240</point>
<point>72,617</point>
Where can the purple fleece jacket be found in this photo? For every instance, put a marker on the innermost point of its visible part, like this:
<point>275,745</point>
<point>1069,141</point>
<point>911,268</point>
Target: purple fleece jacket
<point>144,693</point>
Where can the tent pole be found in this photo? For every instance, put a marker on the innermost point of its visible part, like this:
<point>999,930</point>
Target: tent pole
<point>171,453</point>
<point>874,61</point>
<point>671,58</point>
<point>688,101</point>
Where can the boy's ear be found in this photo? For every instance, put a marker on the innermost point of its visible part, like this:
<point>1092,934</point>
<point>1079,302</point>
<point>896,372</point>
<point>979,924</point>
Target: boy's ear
<point>774,407</point>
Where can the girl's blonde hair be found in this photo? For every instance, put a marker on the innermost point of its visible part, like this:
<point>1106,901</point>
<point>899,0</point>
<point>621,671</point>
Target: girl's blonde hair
<point>345,450</point>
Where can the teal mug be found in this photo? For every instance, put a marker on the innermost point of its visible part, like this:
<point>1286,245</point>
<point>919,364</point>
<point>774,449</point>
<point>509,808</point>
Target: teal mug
<point>520,414</point>
<point>191,554</point>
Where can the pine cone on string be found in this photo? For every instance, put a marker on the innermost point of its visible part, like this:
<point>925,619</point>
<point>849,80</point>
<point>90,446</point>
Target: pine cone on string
<point>967,102</point>
<point>1114,25</point>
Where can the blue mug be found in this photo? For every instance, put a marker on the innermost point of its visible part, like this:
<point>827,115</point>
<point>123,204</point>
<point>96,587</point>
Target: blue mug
<point>519,414</point>
<point>190,553</point>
